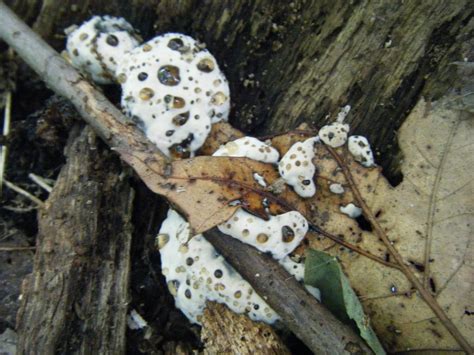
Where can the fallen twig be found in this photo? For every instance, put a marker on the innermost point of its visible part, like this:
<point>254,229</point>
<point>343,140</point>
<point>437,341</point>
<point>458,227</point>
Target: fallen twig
<point>41,182</point>
<point>6,132</point>
<point>16,248</point>
<point>286,296</point>
<point>23,192</point>
<point>322,333</point>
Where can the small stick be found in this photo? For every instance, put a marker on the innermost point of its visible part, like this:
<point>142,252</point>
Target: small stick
<point>23,192</point>
<point>16,248</point>
<point>6,132</point>
<point>318,329</point>
<point>41,182</point>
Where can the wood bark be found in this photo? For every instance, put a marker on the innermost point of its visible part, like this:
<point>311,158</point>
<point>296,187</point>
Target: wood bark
<point>76,300</point>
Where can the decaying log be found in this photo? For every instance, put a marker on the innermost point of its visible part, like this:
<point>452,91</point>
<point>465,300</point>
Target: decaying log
<point>323,336</point>
<point>224,332</point>
<point>298,61</point>
<point>77,297</point>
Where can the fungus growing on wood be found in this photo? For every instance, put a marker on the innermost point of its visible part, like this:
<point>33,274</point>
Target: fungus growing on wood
<point>196,273</point>
<point>98,45</point>
<point>173,87</point>
<point>249,147</point>
<point>360,148</point>
<point>279,236</point>
<point>297,167</point>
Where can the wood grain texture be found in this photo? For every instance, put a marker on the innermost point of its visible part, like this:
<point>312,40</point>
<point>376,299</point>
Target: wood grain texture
<point>224,332</point>
<point>76,299</point>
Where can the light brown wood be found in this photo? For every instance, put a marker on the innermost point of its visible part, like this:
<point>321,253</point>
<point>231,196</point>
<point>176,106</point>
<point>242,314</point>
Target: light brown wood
<point>224,332</point>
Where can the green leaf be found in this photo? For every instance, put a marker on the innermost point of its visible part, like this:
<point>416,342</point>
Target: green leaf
<point>323,271</point>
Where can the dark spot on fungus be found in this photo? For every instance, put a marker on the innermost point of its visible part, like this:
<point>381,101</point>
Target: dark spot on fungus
<point>306,182</point>
<point>142,76</point>
<point>206,65</point>
<point>146,94</point>
<point>187,293</point>
<point>181,119</point>
<point>112,40</point>
<point>169,133</point>
<point>287,234</point>
<point>189,261</point>
<point>218,273</point>
<point>175,44</point>
<point>169,75</point>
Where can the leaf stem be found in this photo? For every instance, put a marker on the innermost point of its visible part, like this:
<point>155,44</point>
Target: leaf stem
<point>350,246</point>
<point>424,293</point>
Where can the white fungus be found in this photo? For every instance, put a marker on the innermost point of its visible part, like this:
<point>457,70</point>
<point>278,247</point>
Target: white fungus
<point>260,179</point>
<point>341,116</point>
<point>249,147</point>
<point>336,188</point>
<point>174,88</point>
<point>297,168</point>
<point>280,235</point>
<point>334,134</point>
<point>195,273</point>
<point>135,321</point>
<point>360,148</point>
<point>351,210</point>
<point>98,45</point>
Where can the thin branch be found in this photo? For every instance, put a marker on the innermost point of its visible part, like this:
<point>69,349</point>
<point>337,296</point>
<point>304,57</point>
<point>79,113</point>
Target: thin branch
<point>41,182</point>
<point>6,132</point>
<point>318,328</point>
<point>350,246</point>
<point>17,248</point>
<point>24,193</point>
<point>322,333</point>
<point>424,293</point>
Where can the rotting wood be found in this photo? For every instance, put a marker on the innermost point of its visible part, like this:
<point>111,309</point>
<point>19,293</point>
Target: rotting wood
<point>224,332</point>
<point>112,126</point>
<point>76,299</point>
<point>298,61</point>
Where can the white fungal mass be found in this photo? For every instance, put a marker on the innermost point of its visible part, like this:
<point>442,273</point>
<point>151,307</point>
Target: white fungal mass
<point>336,188</point>
<point>351,210</point>
<point>280,235</point>
<point>297,168</point>
<point>249,147</point>
<point>196,273</point>
<point>334,134</point>
<point>174,88</point>
<point>98,45</point>
<point>360,148</point>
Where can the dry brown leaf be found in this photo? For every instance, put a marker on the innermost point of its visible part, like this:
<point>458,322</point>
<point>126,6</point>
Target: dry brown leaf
<point>204,188</point>
<point>221,133</point>
<point>430,210</point>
